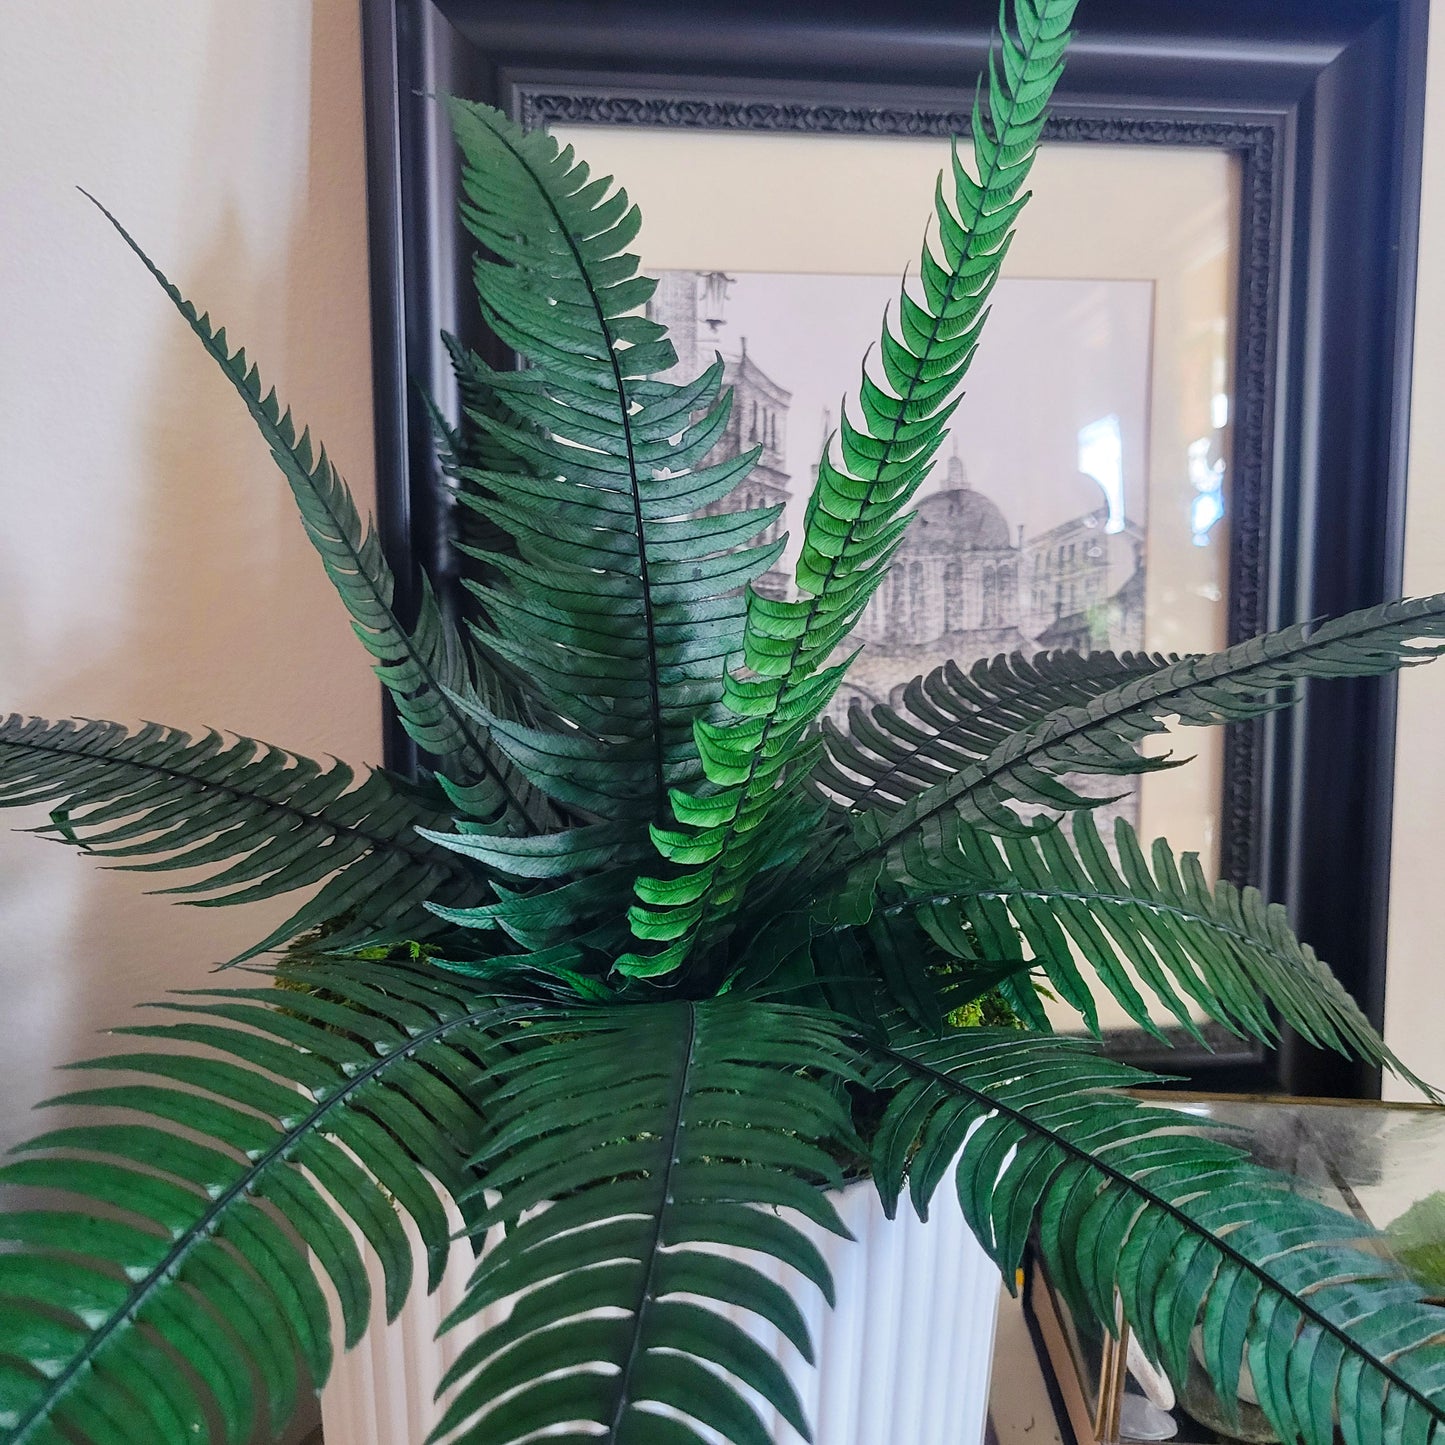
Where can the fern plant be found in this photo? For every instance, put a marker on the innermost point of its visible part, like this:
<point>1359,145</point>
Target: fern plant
<point>649,949</point>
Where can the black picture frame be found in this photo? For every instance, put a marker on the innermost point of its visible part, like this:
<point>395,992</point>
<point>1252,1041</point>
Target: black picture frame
<point>1323,102</point>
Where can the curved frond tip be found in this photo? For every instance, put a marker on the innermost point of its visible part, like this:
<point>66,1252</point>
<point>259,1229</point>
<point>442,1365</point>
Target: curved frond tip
<point>424,667</point>
<point>260,820</point>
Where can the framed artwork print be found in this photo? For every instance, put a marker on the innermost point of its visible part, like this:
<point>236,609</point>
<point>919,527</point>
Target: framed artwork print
<point>1207,442</point>
<point>1081,502</point>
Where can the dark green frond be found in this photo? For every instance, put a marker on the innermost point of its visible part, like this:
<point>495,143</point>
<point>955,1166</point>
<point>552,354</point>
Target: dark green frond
<point>1160,930</point>
<point>731,830</point>
<point>466,451</point>
<point>620,599</point>
<point>469,448</point>
<point>1102,735</point>
<point>261,821</point>
<point>175,1279</point>
<point>425,668</point>
<point>680,1126</point>
<point>892,961</point>
<point>566,892</point>
<point>951,718</point>
<point>1190,1235</point>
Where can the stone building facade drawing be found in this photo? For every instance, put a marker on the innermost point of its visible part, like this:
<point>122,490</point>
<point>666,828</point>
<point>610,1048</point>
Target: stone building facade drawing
<point>966,583</point>
<point>1083,584</point>
<point>689,304</point>
<point>965,586</point>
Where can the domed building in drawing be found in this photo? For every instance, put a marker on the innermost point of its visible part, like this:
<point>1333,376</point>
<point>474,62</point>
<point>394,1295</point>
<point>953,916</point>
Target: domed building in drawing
<point>952,591</point>
<point>1083,580</point>
<point>964,585</point>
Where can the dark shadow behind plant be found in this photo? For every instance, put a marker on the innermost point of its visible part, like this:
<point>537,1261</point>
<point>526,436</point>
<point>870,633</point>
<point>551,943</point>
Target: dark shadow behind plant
<point>650,946</point>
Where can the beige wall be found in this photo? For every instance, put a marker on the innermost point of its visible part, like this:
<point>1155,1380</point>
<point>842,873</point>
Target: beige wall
<point>151,564</point>
<point>1414,1016</point>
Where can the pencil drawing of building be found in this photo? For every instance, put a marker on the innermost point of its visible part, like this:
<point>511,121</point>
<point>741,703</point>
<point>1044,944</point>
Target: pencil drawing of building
<point>965,586</point>
<point>1084,585</point>
<point>965,583</point>
<point>690,304</point>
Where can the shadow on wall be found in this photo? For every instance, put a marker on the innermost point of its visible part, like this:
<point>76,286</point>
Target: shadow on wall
<point>225,616</point>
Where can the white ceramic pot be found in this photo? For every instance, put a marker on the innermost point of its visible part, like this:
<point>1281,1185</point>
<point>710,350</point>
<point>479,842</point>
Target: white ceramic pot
<point>905,1356</point>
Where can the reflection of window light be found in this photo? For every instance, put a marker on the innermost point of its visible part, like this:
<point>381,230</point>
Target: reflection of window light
<point>1219,411</point>
<point>1207,479</point>
<point>1101,456</point>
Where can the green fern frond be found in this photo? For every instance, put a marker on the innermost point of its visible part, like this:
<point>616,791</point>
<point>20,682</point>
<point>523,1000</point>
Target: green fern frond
<point>174,1281</point>
<point>950,718</point>
<point>466,451</point>
<point>262,822</point>
<point>1102,735</point>
<point>729,832</point>
<point>463,449</point>
<point>1163,929</point>
<point>425,669</point>
<point>469,448</point>
<point>622,601</point>
<point>682,1126</point>
<point>1182,1230</point>
<point>562,901</point>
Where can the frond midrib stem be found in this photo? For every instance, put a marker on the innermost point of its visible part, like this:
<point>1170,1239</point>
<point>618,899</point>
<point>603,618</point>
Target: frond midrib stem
<point>654,1246</point>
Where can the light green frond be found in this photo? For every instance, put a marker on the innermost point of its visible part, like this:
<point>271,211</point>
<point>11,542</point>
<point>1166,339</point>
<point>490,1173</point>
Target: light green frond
<point>857,511</point>
<point>1192,1239</point>
<point>174,1280</point>
<point>261,821</point>
<point>681,1127</point>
